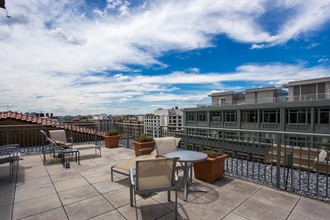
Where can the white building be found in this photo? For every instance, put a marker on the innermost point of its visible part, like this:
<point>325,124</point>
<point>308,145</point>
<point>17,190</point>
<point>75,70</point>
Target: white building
<point>167,119</point>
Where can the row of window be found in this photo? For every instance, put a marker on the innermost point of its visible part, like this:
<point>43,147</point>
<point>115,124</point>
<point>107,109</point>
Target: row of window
<point>298,116</point>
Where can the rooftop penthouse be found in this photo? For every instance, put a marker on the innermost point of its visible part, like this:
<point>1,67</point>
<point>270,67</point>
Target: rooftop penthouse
<point>305,90</point>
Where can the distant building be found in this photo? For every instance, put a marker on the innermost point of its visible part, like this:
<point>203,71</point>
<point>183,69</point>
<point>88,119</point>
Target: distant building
<point>40,114</point>
<point>168,119</point>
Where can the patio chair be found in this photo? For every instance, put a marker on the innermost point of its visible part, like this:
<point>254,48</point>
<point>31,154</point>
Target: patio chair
<point>321,162</point>
<point>60,139</point>
<point>162,146</point>
<point>10,154</point>
<point>153,175</point>
<point>52,147</point>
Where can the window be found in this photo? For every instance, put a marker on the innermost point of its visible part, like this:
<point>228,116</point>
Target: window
<point>270,116</point>
<point>230,116</point>
<point>321,115</point>
<point>249,116</point>
<point>216,116</point>
<point>191,116</point>
<point>298,116</point>
<point>201,116</point>
<point>221,101</point>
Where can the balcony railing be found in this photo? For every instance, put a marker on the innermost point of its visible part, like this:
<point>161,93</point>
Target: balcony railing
<point>307,97</point>
<point>284,160</point>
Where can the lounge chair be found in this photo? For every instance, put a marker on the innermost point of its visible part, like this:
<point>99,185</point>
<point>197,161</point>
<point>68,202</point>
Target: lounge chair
<point>162,146</point>
<point>59,137</point>
<point>153,175</point>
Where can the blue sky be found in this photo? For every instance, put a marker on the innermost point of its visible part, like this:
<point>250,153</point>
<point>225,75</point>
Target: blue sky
<point>132,57</point>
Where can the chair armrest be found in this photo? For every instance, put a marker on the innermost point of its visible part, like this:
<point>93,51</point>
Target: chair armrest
<point>146,149</point>
<point>70,139</point>
<point>131,175</point>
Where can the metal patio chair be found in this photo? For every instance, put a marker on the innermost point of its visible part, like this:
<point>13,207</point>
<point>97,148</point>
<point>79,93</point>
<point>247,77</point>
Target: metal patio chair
<point>60,138</point>
<point>162,146</point>
<point>154,175</point>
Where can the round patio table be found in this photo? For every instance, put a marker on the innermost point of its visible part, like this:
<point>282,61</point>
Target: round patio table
<point>188,157</point>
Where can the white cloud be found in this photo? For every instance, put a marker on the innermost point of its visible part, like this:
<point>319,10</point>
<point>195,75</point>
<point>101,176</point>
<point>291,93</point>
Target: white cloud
<point>53,50</point>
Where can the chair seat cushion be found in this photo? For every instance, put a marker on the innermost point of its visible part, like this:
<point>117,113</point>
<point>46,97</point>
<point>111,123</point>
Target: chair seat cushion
<point>126,164</point>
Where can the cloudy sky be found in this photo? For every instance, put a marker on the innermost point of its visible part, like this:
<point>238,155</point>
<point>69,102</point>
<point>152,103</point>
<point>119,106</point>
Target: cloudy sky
<point>132,57</point>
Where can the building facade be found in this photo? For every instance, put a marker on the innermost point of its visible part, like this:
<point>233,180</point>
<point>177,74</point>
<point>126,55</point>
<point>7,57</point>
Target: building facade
<point>271,109</point>
<point>168,119</point>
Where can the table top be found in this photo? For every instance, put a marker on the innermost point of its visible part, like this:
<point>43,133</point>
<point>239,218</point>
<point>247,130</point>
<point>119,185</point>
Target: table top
<point>187,155</point>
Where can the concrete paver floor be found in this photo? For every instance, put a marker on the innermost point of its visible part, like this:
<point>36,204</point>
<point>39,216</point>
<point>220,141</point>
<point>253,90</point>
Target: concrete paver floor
<point>86,192</point>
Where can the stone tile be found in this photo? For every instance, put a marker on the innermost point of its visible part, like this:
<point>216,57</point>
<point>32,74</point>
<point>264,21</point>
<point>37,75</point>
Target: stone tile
<point>67,174</point>
<point>162,198</point>
<point>294,216</point>
<point>7,198</point>
<point>233,216</point>
<point>55,169</point>
<point>239,186</point>
<point>226,198</point>
<point>70,184</point>
<point>107,186</point>
<point>57,213</point>
<point>92,171</point>
<point>146,209</point>
<point>113,215</point>
<point>312,209</point>
<point>91,207</point>
<point>201,209</point>
<point>28,183</point>
<point>77,194</point>
<point>170,216</point>
<point>31,171</point>
<point>6,211</point>
<point>5,185</point>
<point>276,198</point>
<point>119,197</point>
<point>31,159</point>
<point>36,206</point>
<point>34,192</point>
<point>254,209</point>
<point>98,177</point>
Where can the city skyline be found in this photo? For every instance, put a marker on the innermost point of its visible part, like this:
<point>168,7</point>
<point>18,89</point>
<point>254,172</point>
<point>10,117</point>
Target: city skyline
<point>132,57</point>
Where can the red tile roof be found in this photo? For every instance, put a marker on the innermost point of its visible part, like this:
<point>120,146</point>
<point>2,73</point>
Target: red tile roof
<point>45,121</point>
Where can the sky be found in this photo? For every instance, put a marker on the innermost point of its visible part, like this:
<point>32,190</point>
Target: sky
<point>72,57</point>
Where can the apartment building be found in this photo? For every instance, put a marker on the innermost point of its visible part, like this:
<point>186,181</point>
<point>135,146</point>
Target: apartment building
<point>304,107</point>
<point>168,119</point>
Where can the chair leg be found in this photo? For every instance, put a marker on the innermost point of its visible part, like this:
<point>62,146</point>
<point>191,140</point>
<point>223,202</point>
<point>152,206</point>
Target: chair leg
<point>176,204</point>
<point>111,173</point>
<point>169,196</point>
<point>131,195</point>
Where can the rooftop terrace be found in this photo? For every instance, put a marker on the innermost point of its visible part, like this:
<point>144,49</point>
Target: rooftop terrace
<point>86,192</point>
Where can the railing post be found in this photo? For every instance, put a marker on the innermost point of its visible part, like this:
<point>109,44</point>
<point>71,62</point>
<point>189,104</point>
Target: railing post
<point>186,142</point>
<point>278,161</point>
<point>127,137</point>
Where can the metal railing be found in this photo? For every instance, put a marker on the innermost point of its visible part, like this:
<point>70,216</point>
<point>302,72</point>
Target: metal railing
<point>284,160</point>
<point>273,99</point>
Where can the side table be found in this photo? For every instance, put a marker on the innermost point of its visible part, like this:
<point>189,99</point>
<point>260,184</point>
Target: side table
<point>71,151</point>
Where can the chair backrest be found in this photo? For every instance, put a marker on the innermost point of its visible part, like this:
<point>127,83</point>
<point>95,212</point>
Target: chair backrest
<point>47,138</point>
<point>323,156</point>
<point>155,174</point>
<point>166,144</point>
<point>58,135</point>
